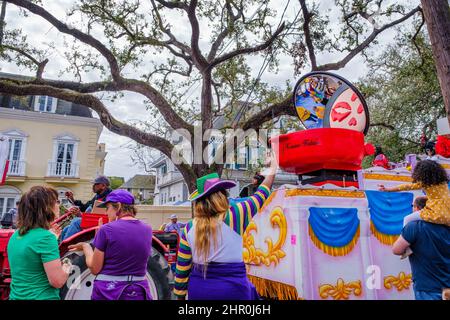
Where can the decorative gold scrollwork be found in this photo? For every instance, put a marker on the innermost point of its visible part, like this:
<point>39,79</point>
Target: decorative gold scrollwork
<point>341,291</point>
<point>401,282</point>
<point>274,253</point>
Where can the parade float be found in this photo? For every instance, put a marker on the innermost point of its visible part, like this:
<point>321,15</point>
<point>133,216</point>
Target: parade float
<point>329,237</point>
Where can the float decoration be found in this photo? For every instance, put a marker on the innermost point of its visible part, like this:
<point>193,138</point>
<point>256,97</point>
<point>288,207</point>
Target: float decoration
<point>336,118</point>
<point>326,100</point>
<point>274,289</point>
<point>325,223</point>
<point>401,282</point>
<point>274,254</point>
<point>335,231</point>
<point>341,291</point>
<point>325,193</point>
<point>389,177</point>
<point>387,211</point>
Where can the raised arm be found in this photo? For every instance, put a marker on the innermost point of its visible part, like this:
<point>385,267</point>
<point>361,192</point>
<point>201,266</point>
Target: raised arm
<point>402,187</point>
<point>184,264</point>
<point>241,213</point>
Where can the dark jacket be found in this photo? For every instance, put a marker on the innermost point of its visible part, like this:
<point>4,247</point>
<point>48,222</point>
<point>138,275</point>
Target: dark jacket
<point>99,197</point>
<point>9,219</point>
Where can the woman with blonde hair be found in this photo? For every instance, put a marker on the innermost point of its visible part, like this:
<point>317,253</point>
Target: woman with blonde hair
<point>210,263</point>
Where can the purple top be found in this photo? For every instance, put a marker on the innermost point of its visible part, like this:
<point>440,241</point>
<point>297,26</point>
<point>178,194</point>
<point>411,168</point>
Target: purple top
<point>174,227</point>
<point>127,246</point>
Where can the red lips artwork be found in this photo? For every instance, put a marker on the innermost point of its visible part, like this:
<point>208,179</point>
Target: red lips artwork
<point>348,112</point>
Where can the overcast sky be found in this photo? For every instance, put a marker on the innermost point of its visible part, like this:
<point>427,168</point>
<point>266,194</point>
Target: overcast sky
<point>131,107</point>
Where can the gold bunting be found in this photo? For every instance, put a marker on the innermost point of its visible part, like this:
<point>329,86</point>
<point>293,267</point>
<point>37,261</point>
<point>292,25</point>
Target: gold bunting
<point>274,289</point>
<point>386,239</point>
<point>334,251</point>
<point>389,177</point>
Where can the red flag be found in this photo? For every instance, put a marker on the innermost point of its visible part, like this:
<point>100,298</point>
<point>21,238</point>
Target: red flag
<point>5,171</point>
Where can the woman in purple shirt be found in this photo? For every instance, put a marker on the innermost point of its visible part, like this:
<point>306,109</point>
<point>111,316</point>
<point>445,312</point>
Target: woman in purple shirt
<point>121,251</point>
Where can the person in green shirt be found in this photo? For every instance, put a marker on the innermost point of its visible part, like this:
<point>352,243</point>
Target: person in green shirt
<point>33,254</point>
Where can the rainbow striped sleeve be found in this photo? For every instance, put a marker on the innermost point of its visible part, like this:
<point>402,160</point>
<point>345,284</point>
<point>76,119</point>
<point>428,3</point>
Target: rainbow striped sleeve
<point>241,213</point>
<point>184,263</point>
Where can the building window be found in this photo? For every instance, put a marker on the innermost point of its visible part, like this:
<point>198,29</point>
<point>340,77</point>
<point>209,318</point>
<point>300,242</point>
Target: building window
<point>64,162</point>
<point>45,104</point>
<point>163,169</point>
<point>185,192</point>
<point>8,198</point>
<point>65,152</point>
<point>16,151</point>
<point>6,204</point>
<point>15,156</point>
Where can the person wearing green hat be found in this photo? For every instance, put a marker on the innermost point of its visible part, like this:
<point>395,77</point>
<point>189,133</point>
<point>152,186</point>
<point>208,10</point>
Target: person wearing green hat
<point>210,264</point>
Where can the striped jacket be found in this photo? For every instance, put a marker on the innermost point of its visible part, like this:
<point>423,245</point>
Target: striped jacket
<point>237,218</point>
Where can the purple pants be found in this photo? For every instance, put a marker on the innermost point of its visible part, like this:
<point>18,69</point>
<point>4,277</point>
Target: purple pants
<point>224,281</point>
<point>121,290</point>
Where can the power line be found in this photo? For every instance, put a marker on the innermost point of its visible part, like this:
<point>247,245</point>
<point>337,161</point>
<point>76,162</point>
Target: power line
<point>261,70</point>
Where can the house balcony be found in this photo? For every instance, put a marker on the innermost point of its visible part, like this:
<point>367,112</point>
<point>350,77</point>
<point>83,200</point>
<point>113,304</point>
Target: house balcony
<point>16,168</point>
<point>63,169</point>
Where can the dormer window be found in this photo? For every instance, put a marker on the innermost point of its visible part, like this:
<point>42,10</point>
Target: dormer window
<point>45,104</point>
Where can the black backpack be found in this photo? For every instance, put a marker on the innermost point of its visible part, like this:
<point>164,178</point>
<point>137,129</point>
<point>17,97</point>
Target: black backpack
<point>7,219</point>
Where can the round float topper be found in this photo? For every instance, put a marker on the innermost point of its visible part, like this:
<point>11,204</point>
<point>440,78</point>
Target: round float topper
<point>326,100</point>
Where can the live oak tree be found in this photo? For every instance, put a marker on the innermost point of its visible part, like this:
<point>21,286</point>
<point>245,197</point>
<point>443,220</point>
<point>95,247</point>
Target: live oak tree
<point>113,39</point>
<point>403,94</point>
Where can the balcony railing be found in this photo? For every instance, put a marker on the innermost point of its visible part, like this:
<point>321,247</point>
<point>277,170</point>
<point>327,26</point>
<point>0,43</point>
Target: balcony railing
<point>63,169</point>
<point>16,168</point>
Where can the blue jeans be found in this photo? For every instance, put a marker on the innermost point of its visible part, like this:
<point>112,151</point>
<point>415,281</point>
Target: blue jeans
<point>427,295</point>
<point>73,228</point>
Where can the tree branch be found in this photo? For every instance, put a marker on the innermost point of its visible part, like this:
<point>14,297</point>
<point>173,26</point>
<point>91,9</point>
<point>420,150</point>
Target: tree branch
<point>173,40</point>
<point>232,18</point>
<point>121,83</point>
<point>83,37</point>
<point>197,55</point>
<point>340,64</point>
<point>173,4</point>
<point>40,65</point>
<point>21,52</point>
<point>2,21</point>
<point>133,85</point>
<point>254,49</point>
<point>284,107</point>
<point>382,124</point>
<point>95,104</point>
<point>415,37</point>
<point>308,39</point>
